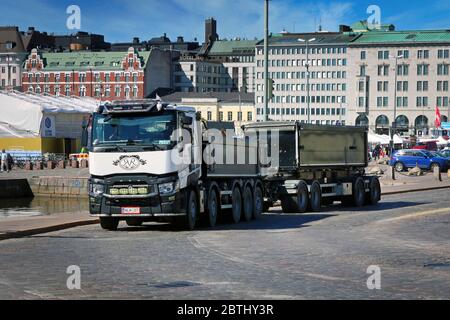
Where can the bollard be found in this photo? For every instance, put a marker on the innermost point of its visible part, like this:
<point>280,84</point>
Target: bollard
<point>39,165</point>
<point>61,164</point>
<point>437,173</point>
<point>84,163</point>
<point>28,165</point>
<point>50,165</point>
<point>74,164</point>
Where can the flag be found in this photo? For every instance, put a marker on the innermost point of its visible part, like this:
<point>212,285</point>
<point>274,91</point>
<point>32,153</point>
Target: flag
<point>437,122</point>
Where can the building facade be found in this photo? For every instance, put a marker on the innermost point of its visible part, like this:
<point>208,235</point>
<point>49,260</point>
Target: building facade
<point>218,106</point>
<point>327,53</point>
<point>101,75</point>
<point>408,70</point>
<point>12,55</point>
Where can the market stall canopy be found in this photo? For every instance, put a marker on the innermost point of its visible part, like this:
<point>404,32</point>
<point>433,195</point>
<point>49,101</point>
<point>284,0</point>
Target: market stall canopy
<point>21,113</point>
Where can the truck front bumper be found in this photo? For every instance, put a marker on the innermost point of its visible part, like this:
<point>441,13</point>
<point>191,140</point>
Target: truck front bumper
<point>151,205</point>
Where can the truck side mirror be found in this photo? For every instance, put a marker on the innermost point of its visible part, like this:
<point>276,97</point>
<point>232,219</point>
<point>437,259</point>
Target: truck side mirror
<point>84,138</point>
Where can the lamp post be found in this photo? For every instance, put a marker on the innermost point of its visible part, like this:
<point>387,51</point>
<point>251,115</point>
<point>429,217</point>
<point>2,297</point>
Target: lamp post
<point>394,123</point>
<point>266,60</point>
<point>307,76</point>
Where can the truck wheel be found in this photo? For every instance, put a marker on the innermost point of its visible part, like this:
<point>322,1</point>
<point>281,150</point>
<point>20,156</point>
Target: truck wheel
<point>374,195</point>
<point>302,197</point>
<point>359,193</point>
<point>258,206</point>
<point>109,223</point>
<point>248,203</point>
<point>213,207</point>
<point>237,205</point>
<point>315,203</point>
<point>188,221</point>
<point>134,222</point>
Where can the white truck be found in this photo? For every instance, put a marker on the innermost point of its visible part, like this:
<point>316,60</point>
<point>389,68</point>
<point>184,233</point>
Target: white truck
<point>136,172</point>
<point>153,161</point>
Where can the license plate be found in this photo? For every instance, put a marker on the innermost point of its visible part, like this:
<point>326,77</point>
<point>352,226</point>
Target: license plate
<point>131,210</point>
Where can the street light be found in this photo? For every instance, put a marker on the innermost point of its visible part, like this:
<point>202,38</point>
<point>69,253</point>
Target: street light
<point>307,75</point>
<point>394,123</point>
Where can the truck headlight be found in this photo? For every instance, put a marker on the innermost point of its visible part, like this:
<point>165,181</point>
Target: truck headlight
<point>166,188</point>
<point>97,189</point>
<point>142,190</point>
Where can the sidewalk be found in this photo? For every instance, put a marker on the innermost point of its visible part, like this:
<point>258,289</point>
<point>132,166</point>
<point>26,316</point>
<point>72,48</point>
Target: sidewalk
<point>26,226</point>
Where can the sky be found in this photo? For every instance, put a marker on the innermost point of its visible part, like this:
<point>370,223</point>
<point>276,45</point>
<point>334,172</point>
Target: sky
<point>121,20</point>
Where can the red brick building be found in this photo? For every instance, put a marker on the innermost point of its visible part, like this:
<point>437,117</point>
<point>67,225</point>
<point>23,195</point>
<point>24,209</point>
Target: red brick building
<point>101,75</point>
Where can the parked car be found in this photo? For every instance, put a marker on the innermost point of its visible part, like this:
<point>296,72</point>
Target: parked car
<point>426,160</point>
<point>444,153</point>
<point>429,145</point>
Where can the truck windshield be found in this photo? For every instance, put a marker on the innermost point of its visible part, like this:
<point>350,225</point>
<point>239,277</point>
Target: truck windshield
<point>141,130</point>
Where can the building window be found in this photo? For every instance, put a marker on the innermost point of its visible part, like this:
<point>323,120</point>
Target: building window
<point>135,92</point>
<point>220,116</point>
<point>117,77</point>
<point>363,55</point>
<point>250,116</point>
<point>230,116</point>
<point>422,69</point>
<point>423,54</point>
<point>442,69</point>
<point>117,91</point>
<point>443,54</point>
<point>209,116</point>
<point>422,85</point>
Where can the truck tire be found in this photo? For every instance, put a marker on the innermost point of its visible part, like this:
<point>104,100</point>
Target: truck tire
<point>374,195</point>
<point>236,201</point>
<point>315,200</point>
<point>258,199</point>
<point>289,203</point>
<point>302,197</point>
<point>359,193</point>
<point>109,223</point>
<point>189,221</point>
<point>248,203</point>
<point>213,207</point>
<point>133,222</point>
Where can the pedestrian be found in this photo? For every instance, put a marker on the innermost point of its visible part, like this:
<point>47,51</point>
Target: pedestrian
<point>4,161</point>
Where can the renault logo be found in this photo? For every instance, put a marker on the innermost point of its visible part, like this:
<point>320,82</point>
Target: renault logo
<point>129,162</point>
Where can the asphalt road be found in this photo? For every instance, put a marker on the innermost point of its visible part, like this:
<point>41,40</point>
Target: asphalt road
<point>309,256</point>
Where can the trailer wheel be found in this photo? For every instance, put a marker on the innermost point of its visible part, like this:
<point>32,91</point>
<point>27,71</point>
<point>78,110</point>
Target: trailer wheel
<point>315,203</point>
<point>258,206</point>
<point>236,201</point>
<point>302,197</point>
<point>248,203</point>
<point>374,195</point>
<point>289,203</point>
<point>109,223</point>
<point>213,207</point>
<point>359,193</point>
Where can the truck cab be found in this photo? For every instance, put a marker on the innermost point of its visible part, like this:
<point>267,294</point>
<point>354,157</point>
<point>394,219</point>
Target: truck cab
<point>136,168</point>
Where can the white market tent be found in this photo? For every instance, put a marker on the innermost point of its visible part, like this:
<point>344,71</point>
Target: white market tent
<point>383,139</point>
<point>21,113</point>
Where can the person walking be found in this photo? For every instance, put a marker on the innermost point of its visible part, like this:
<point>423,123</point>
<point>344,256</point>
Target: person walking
<point>4,161</point>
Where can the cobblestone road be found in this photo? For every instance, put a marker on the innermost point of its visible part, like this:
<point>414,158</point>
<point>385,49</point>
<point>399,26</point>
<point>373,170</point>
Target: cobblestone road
<point>314,256</point>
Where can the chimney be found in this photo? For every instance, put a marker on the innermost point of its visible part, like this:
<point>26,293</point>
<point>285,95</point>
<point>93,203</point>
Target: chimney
<point>211,30</point>
<point>135,40</point>
<point>31,29</point>
<point>344,28</point>
<point>180,39</point>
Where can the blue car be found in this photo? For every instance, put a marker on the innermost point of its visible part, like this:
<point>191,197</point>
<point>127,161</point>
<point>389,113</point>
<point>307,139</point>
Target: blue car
<point>426,160</point>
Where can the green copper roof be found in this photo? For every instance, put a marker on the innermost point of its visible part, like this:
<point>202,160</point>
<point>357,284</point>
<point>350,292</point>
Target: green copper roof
<point>361,26</point>
<point>422,36</point>
<point>232,46</point>
<point>67,61</point>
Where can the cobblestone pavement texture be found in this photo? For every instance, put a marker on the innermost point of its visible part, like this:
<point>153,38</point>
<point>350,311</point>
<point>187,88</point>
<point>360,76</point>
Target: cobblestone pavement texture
<point>280,256</point>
